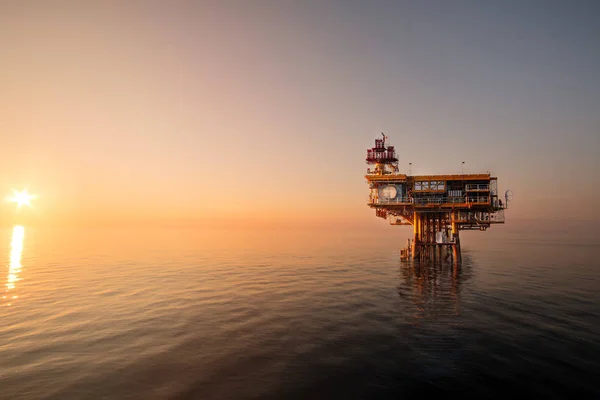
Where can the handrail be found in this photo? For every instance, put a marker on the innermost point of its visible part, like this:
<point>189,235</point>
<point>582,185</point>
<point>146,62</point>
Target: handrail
<point>477,186</point>
<point>427,200</point>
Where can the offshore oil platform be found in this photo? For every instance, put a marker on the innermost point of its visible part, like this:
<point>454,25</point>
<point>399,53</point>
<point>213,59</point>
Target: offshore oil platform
<point>437,206</point>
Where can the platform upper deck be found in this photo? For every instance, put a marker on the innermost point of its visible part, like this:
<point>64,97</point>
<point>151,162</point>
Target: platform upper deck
<point>400,178</point>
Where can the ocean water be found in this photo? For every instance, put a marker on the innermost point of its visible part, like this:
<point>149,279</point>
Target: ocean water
<point>279,314</point>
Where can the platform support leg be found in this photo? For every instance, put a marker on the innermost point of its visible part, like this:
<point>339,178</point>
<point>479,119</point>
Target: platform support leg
<point>415,242</point>
<point>457,258</point>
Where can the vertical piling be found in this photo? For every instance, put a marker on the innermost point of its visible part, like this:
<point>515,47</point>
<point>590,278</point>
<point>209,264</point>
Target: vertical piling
<point>415,249</point>
<point>455,237</point>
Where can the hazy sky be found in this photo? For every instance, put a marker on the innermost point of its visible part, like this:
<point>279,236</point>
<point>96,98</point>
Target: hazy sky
<point>263,110</point>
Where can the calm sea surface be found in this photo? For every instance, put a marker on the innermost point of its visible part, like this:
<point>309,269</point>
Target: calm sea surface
<point>192,314</point>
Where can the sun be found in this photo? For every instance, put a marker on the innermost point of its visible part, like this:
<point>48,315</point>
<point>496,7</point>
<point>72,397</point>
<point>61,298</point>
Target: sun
<point>21,198</point>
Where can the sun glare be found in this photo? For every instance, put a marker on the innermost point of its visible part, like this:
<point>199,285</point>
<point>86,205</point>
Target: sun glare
<point>21,198</point>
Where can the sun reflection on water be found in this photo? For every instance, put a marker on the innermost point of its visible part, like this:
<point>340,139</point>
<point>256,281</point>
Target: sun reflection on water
<point>14,267</point>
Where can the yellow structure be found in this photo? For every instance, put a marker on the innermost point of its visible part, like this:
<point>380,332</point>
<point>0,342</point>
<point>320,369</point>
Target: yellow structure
<point>437,206</point>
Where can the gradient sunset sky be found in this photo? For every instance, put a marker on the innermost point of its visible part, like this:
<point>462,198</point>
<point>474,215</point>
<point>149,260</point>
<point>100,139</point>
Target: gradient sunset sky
<point>262,111</point>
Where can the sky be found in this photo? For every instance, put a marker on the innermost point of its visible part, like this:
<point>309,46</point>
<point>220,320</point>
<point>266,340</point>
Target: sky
<point>260,112</point>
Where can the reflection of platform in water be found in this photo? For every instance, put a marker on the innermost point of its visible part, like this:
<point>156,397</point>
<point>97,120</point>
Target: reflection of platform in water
<point>437,206</point>
<point>434,288</point>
